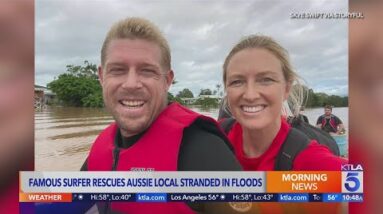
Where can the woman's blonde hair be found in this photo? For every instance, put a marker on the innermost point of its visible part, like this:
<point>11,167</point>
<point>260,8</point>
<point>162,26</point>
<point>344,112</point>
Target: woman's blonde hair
<point>296,95</point>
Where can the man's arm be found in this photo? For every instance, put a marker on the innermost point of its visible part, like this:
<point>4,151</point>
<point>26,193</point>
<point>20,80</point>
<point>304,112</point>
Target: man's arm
<point>205,151</point>
<point>202,150</point>
<point>339,124</point>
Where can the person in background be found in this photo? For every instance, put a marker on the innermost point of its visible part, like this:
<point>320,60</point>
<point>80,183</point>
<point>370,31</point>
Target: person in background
<point>329,122</point>
<point>302,116</point>
<point>298,115</point>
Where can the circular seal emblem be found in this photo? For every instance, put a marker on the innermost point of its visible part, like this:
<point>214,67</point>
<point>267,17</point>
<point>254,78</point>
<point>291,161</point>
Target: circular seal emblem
<point>240,206</point>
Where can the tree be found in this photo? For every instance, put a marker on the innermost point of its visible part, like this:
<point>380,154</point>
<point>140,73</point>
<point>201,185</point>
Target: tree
<point>172,98</point>
<point>89,70</point>
<point>205,92</point>
<point>218,87</point>
<point>207,102</point>
<point>185,93</point>
<point>78,86</point>
<point>321,99</point>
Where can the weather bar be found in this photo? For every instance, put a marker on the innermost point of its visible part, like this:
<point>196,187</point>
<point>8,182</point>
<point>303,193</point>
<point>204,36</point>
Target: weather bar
<point>218,197</point>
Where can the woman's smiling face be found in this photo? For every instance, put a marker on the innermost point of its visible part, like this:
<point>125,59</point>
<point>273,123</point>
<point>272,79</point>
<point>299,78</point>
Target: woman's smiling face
<point>256,88</point>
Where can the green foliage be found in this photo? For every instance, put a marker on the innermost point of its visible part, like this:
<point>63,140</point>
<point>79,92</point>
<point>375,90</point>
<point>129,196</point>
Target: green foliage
<point>207,102</point>
<point>87,71</point>
<point>79,86</point>
<point>205,92</point>
<point>185,93</point>
<point>321,99</point>
<point>93,100</point>
<point>172,98</point>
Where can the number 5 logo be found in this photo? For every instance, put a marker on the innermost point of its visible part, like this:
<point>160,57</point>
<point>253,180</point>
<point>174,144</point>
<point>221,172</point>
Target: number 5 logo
<point>352,182</point>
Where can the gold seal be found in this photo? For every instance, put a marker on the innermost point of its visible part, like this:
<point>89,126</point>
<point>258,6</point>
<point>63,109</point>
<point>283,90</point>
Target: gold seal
<point>241,206</point>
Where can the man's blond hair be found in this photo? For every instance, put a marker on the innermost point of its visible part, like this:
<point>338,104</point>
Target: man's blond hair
<point>138,28</point>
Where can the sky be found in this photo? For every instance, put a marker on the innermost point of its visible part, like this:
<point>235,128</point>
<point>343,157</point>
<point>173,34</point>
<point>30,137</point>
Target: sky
<point>200,34</point>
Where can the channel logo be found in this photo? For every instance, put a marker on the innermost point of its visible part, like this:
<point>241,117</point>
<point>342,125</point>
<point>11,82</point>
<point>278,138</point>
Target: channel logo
<point>352,178</point>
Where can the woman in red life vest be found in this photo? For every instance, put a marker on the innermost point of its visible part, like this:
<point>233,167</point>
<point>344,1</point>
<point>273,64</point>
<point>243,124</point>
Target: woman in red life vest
<point>258,78</point>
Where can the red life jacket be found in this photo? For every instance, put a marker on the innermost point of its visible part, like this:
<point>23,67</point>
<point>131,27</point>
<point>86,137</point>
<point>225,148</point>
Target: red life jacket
<point>332,122</point>
<point>157,149</point>
<point>267,165</point>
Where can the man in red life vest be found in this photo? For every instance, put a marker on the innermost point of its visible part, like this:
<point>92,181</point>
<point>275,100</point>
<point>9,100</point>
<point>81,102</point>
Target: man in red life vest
<point>329,122</point>
<point>149,133</point>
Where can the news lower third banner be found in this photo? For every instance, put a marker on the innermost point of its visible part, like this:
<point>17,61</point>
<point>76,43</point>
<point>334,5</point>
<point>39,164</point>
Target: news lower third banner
<point>150,186</point>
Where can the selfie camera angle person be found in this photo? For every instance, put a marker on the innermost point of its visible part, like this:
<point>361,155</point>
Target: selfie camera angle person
<point>149,133</point>
<point>258,78</point>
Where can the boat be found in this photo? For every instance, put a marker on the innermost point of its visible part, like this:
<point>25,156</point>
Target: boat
<point>342,141</point>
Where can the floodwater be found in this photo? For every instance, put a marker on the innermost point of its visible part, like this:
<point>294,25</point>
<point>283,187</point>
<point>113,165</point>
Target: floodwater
<point>63,135</point>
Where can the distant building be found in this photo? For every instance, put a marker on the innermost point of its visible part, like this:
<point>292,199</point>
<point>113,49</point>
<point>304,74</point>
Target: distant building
<point>191,101</point>
<point>209,96</point>
<point>43,96</point>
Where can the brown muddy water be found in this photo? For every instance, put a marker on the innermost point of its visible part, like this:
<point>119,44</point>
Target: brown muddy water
<point>63,136</point>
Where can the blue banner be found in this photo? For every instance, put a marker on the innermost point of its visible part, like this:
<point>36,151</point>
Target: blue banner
<point>335,197</point>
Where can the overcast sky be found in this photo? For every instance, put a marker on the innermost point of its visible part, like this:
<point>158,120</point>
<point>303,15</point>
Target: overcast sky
<point>200,34</point>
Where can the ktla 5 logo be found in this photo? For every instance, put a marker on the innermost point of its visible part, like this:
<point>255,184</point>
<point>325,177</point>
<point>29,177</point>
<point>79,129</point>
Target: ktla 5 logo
<point>352,182</point>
